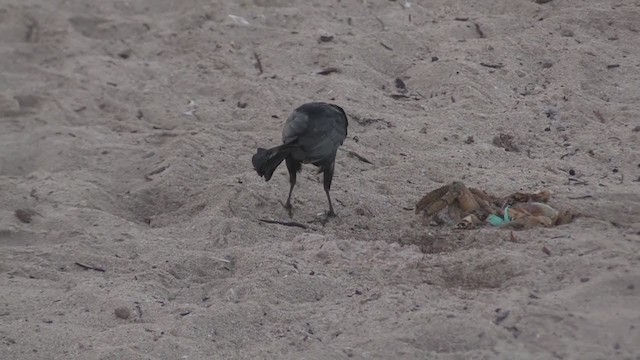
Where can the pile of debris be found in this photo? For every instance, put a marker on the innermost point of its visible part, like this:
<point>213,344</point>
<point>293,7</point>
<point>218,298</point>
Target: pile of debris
<point>470,207</point>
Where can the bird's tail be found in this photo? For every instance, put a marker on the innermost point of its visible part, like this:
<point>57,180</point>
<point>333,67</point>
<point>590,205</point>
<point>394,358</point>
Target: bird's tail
<point>265,161</point>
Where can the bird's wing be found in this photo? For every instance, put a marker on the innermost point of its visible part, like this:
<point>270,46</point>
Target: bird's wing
<point>297,124</point>
<point>318,128</point>
<point>316,120</point>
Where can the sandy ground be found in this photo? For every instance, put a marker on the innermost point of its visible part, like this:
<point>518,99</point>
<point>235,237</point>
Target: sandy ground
<point>127,129</point>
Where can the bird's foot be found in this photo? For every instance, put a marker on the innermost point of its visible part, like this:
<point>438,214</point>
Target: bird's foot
<point>289,208</point>
<point>324,217</point>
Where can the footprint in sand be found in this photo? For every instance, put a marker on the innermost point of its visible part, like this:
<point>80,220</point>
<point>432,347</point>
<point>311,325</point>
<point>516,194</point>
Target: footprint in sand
<point>105,29</point>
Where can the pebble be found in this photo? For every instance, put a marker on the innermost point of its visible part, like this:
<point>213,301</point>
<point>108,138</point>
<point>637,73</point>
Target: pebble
<point>122,313</point>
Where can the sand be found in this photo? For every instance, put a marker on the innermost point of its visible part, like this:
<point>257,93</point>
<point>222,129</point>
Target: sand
<point>127,130</point>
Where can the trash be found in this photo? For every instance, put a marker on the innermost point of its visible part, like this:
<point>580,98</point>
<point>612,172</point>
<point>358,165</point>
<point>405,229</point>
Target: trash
<point>239,20</point>
<point>496,220</point>
<point>506,142</point>
<point>192,111</point>
<point>470,207</point>
<point>468,222</point>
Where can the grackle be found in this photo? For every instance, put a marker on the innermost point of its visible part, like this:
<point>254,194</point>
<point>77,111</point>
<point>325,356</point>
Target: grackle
<point>311,135</point>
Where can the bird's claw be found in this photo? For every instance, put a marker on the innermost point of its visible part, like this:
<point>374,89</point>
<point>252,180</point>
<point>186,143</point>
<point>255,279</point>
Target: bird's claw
<point>289,209</point>
<point>324,217</point>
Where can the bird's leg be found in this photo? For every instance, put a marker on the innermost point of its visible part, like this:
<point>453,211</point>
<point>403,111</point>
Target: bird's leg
<point>293,167</point>
<point>328,177</point>
<point>288,205</point>
<point>331,213</point>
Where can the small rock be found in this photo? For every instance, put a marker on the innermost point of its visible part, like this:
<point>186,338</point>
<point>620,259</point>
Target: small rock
<point>434,58</point>
<point>400,85</point>
<point>547,64</point>
<point>506,142</point>
<point>326,38</point>
<point>584,279</point>
<point>8,105</point>
<point>364,212</point>
<point>502,316</point>
<point>566,33</point>
<point>572,172</point>
<point>242,104</point>
<point>25,215</point>
<point>470,140</point>
<point>125,54</point>
<point>122,313</point>
<point>348,352</point>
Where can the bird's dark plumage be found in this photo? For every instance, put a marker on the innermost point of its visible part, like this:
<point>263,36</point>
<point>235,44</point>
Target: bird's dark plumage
<point>311,135</point>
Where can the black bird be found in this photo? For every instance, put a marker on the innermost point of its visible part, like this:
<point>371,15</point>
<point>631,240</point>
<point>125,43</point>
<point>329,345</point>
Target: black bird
<point>311,135</point>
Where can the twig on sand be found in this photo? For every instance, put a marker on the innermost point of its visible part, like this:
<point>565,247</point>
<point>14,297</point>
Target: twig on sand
<point>284,223</point>
<point>258,64</point>
<point>493,66</point>
<point>138,310</point>
<point>580,197</point>
<point>155,172</point>
<point>573,181</point>
<point>88,267</point>
<point>385,46</point>
<point>220,259</point>
<point>328,71</point>
<point>357,156</point>
<point>575,151</point>
<point>479,31</point>
<point>599,116</point>
<point>381,23</point>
